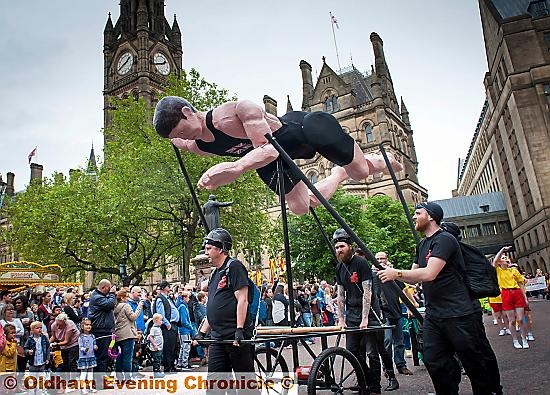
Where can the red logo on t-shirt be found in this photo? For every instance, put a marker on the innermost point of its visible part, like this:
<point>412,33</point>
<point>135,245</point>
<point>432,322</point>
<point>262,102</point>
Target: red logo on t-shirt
<point>354,278</point>
<point>428,256</point>
<point>223,282</point>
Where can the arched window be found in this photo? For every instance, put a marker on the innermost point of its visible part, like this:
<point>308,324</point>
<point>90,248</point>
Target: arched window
<point>368,133</point>
<point>334,103</point>
<point>328,105</point>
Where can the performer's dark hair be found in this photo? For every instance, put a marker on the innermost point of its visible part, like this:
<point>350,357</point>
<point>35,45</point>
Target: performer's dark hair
<point>168,114</point>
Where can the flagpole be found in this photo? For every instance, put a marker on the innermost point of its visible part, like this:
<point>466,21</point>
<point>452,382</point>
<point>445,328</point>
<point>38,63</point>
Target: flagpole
<point>334,37</point>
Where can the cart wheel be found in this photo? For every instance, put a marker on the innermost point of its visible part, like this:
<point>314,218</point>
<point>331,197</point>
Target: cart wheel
<point>336,370</point>
<point>279,369</point>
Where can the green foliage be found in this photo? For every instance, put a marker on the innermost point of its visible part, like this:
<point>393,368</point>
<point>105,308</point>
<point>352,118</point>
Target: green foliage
<point>138,204</point>
<point>379,221</point>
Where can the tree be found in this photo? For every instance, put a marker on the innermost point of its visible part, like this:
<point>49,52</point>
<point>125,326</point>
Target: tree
<point>379,221</point>
<point>137,207</point>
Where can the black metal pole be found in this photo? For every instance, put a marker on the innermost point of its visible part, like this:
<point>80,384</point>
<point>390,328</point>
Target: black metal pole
<point>325,236</point>
<point>369,255</point>
<point>289,279</point>
<point>191,189</point>
<point>400,194</point>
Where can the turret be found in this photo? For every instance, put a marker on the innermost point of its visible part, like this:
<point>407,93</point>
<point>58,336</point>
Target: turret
<point>36,173</point>
<point>270,105</point>
<point>10,188</point>
<point>307,84</point>
<point>379,59</point>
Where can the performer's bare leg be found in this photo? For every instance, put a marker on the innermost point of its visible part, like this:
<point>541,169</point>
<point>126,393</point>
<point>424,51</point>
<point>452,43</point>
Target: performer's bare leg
<point>358,169</point>
<point>298,199</point>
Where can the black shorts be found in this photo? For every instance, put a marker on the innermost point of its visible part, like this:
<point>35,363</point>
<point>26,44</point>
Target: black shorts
<point>302,136</point>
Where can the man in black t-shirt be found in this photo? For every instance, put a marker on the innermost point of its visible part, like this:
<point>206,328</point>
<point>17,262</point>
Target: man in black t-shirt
<point>354,280</point>
<point>450,326</point>
<point>227,312</point>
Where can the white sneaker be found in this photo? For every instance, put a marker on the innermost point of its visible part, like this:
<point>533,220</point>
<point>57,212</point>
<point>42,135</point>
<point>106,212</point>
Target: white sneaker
<point>502,332</point>
<point>508,331</point>
<point>516,344</point>
<point>495,321</point>
<point>530,337</point>
<point>525,344</point>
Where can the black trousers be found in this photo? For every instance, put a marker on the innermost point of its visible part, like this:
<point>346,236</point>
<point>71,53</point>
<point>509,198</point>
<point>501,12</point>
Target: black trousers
<point>445,337</point>
<point>490,358</point>
<point>356,343</point>
<point>102,342</point>
<point>169,347</point>
<point>375,351</point>
<point>226,358</point>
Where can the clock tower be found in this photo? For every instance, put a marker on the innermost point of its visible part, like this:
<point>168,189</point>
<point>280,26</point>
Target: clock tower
<point>140,51</point>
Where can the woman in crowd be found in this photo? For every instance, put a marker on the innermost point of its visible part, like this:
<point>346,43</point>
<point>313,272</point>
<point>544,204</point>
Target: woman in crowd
<point>24,313</point>
<point>268,299</point>
<point>514,300</point>
<point>126,332</point>
<point>280,306</point>
<point>7,316</point>
<point>69,308</point>
<point>65,335</point>
<point>44,313</point>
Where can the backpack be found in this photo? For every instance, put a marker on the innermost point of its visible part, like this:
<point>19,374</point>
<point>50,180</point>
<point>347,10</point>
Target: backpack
<point>253,295</point>
<point>480,276</point>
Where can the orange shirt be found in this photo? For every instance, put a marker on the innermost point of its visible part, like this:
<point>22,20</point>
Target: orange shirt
<point>509,278</point>
<point>496,299</point>
<point>8,357</point>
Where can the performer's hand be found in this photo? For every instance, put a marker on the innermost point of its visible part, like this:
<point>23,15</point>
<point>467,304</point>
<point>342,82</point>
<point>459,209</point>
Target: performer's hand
<point>181,143</point>
<point>219,175</point>
<point>364,323</point>
<point>342,322</point>
<point>386,275</point>
<point>239,336</point>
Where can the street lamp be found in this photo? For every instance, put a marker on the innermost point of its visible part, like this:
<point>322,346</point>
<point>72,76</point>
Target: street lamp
<point>123,272</point>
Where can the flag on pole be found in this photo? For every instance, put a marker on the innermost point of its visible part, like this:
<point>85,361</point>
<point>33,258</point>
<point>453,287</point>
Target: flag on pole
<point>333,19</point>
<point>33,153</point>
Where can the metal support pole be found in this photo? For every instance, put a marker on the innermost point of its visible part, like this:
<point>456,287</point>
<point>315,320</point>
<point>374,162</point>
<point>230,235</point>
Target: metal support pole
<point>289,279</point>
<point>325,236</point>
<point>400,194</point>
<point>369,255</point>
<point>191,189</point>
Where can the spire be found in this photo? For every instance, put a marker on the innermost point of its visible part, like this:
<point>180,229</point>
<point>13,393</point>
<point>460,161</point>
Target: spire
<point>92,163</point>
<point>307,85</point>
<point>379,58</point>
<point>404,113</point>
<point>175,26</point>
<point>142,16</point>
<point>108,32</point>
<point>176,32</point>
<point>288,104</point>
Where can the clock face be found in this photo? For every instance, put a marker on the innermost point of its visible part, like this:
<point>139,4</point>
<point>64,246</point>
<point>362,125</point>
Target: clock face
<point>125,63</point>
<point>161,63</point>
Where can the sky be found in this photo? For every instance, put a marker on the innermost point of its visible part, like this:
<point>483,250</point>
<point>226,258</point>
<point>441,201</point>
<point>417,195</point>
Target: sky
<point>51,70</point>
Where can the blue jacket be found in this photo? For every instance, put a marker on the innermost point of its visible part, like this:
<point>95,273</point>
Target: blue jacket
<point>30,344</point>
<point>101,312</point>
<point>140,322</point>
<point>186,328</point>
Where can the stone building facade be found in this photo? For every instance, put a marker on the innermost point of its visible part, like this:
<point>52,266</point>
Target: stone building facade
<point>365,105</point>
<point>509,150</point>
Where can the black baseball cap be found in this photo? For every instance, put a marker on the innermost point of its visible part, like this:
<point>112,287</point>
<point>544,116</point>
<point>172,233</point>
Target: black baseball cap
<point>434,209</point>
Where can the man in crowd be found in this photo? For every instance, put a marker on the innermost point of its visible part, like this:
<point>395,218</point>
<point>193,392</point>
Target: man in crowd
<point>393,315</point>
<point>101,313</point>
<point>450,326</point>
<point>227,310</point>
<point>133,301</point>
<point>165,306</point>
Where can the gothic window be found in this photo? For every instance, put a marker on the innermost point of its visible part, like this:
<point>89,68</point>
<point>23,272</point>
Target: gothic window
<point>328,105</point>
<point>538,9</point>
<point>312,177</point>
<point>334,103</point>
<point>368,133</point>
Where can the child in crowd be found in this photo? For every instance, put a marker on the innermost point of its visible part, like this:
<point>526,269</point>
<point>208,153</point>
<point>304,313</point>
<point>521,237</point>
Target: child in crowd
<point>8,357</point>
<point>37,348</point>
<point>86,353</point>
<point>155,344</point>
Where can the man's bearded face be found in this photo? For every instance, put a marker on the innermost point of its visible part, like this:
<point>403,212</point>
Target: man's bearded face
<point>343,251</point>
